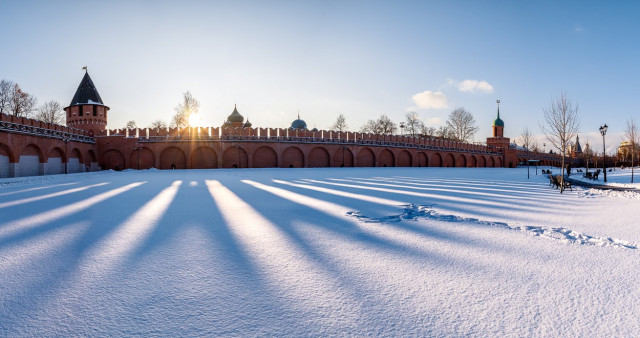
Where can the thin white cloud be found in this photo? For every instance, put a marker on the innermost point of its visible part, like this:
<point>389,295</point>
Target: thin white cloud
<point>431,100</point>
<point>578,29</point>
<point>434,121</point>
<point>475,86</point>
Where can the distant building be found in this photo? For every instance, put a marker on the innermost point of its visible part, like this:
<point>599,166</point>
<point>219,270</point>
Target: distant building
<point>624,151</point>
<point>575,150</point>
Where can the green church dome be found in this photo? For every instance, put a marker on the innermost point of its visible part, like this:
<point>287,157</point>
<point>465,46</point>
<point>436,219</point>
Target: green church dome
<point>498,121</point>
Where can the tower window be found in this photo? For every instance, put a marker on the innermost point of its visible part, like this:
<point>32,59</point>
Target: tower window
<point>95,110</point>
<point>79,110</point>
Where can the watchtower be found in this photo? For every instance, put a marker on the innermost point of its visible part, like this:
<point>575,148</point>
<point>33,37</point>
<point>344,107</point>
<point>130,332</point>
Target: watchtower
<point>86,110</point>
<point>498,140</point>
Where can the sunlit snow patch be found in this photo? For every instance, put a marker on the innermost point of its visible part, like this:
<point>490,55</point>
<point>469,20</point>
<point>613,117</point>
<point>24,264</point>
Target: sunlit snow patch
<point>414,212</point>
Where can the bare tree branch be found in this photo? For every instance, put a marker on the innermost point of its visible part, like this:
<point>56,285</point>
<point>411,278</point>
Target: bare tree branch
<point>51,112</point>
<point>561,124</point>
<point>184,110</point>
<point>413,125</point>
<point>158,125</point>
<point>382,125</point>
<point>526,139</point>
<point>461,124</point>
<point>340,124</point>
<point>633,138</point>
<point>21,103</point>
<point>5,95</point>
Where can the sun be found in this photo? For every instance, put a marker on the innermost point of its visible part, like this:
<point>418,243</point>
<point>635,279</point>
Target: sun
<point>195,120</point>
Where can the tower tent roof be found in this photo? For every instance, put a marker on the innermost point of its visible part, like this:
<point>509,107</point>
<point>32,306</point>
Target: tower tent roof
<point>578,147</point>
<point>86,93</point>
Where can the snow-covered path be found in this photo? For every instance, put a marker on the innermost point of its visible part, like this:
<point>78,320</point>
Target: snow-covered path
<point>336,251</point>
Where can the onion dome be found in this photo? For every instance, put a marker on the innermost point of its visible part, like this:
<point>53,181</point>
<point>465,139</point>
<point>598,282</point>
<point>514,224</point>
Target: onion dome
<point>314,130</point>
<point>299,124</point>
<point>247,124</point>
<point>498,122</point>
<point>235,117</point>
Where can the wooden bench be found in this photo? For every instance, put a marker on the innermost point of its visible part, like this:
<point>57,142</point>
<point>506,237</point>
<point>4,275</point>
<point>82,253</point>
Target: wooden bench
<point>558,181</point>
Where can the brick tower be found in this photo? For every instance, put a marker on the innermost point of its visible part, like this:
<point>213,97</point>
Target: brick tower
<point>86,110</point>
<point>498,140</point>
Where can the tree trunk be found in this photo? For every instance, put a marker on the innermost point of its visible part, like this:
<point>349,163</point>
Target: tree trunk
<point>632,160</point>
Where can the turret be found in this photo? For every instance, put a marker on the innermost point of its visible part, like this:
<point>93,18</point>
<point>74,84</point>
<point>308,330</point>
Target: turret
<point>498,140</point>
<point>86,110</point>
<point>498,124</point>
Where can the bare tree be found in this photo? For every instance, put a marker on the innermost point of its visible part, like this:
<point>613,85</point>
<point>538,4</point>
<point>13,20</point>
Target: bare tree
<point>21,103</point>
<point>388,127</point>
<point>526,139</point>
<point>51,112</point>
<point>131,125</point>
<point>535,147</point>
<point>6,88</point>
<point>340,124</point>
<point>413,125</point>
<point>561,125</point>
<point>444,132</point>
<point>158,125</point>
<point>632,136</point>
<point>382,125</point>
<point>184,110</point>
<point>427,131</point>
<point>461,124</point>
<point>372,127</point>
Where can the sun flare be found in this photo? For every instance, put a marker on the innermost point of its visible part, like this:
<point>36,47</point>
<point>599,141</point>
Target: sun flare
<point>195,120</point>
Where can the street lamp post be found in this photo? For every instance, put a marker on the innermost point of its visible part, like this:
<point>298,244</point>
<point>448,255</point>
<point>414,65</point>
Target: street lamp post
<point>239,160</point>
<point>603,131</point>
<point>66,152</point>
<point>108,156</point>
<point>343,150</point>
<point>138,148</point>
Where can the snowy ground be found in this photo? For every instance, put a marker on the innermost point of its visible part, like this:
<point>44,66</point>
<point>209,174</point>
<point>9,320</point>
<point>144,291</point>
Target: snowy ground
<point>336,251</point>
<point>618,177</point>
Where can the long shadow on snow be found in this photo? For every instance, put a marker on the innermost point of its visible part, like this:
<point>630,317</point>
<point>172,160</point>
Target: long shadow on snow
<point>194,206</point>
<point>407,195</point>
<point>507,200</point>
<point>8,194</point>
<point>424,200</point>
<point>27,210</point>
<point>530,191</point>
<point>348,202</point>
<point>336,225</point>
<point>55,277</point>
<point>327,260</point>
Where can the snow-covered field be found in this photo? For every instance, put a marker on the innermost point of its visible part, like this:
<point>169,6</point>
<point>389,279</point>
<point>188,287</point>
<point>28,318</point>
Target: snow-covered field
<point>316,252</point>
<point>618,177</point>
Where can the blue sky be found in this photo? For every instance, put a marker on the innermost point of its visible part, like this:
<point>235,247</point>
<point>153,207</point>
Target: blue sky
<point>359,58</point>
